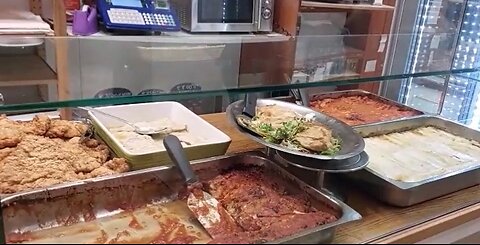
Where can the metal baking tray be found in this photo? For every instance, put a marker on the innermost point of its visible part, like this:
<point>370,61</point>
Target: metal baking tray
<point>405,194</point>
<point>111,202</point>
<point>352,142</point>
<point>357,92</point>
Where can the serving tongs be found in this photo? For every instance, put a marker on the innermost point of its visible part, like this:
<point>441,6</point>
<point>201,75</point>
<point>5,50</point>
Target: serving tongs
<point>248,113</point>
<point>208,211</point>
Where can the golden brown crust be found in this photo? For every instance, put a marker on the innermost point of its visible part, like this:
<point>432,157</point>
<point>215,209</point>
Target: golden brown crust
<point>38,126</point>
<point>66,129</point>
<point>10,132</point>
<point>9,138</point>
<point>44,152</point>
<point>5,152</point>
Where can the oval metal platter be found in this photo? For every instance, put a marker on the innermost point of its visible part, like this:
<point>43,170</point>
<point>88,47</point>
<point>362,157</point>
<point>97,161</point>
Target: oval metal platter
<point>352,143</point>
<point>353,164</point>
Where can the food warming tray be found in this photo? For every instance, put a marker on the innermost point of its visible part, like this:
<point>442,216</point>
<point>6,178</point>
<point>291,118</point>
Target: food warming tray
<point>216,142</point>
<point>357,92</point>
<point>102,199</point>
<point>404,194</point>
<point>352,142</point>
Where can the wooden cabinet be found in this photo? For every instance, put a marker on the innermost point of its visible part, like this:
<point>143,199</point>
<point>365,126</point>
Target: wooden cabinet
<point>274,60</point>
<point>369,28</point>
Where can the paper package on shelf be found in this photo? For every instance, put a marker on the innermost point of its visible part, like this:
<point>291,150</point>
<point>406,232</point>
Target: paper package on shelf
<point>16,22</point>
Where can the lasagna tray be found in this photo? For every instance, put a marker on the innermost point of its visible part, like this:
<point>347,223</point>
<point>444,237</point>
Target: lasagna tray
<point>357,107</point>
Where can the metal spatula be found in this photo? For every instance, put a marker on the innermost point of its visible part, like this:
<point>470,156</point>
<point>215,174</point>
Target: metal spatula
<point>209,212</point>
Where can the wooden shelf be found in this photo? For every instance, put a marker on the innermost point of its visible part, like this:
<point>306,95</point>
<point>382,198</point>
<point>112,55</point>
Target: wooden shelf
<point>346,51</point>
<point>311,4</point>
<point>21,70</point>
<point>346,75</point>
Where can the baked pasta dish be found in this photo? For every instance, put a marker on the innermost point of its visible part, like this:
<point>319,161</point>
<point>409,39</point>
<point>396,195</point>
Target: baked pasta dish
<point>358,110</point>
<point>262,208</point>
<point>433,153</point>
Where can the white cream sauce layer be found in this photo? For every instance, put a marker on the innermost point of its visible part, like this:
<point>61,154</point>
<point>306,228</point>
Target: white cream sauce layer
<point>143,144</point>
<point>420,154</point>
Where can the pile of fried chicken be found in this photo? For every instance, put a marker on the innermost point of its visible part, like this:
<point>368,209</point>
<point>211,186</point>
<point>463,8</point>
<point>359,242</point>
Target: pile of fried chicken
<point>45,152</point>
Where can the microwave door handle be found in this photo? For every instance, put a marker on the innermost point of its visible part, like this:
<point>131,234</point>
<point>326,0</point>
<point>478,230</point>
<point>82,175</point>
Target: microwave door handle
<point>258,15</point>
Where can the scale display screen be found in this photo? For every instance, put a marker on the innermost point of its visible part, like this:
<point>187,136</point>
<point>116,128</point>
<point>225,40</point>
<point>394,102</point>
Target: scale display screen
<point>128,3</point>
<point>161,4</point>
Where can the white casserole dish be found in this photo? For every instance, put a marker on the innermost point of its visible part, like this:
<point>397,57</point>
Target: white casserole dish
<point>216,142</point>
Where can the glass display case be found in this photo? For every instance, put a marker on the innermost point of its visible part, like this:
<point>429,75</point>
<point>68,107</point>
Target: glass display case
<point>330,130</point>
<point>118,75</point>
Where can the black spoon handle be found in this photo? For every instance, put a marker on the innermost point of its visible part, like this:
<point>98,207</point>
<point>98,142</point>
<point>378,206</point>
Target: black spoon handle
<point>178,156</point>
<point>250,106</point>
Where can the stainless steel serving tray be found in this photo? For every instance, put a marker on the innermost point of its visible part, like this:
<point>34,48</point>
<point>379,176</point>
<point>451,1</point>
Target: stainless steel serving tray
<point>352,142</point>
<point>357,92</point>
<point>74,203</point>
<point>404,194</point>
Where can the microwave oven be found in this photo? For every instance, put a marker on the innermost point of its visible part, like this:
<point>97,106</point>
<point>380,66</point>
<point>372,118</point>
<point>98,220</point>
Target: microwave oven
<point>225,15</point>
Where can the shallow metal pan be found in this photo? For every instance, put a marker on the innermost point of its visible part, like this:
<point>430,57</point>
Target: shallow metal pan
<point>404,194</point>
<point>352,142</point>
<point>104,197</point>
<point>357,92</point>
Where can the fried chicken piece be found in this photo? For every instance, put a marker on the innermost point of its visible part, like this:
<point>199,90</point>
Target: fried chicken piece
<point>45,152</point>
<point>66,129</point>
<point>274,115</point>
<point>38,161</point>
<point>316,138</point>
<point>38,126</point>
<point>9,138</point>
<point>116,165</point>
<point>5,152</point>
<point>10,132</point>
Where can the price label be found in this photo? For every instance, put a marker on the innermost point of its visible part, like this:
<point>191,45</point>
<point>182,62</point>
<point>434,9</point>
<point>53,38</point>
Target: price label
<point>186,87</point>
<point>113,93</point>
<point>151,92</point>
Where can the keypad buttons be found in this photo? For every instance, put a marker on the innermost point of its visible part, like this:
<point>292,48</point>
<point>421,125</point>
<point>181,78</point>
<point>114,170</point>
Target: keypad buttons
<point>125,17</point>
<point>129,16</point>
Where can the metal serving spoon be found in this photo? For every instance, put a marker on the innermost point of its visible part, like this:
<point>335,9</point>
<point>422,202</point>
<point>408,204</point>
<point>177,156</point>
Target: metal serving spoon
<point>138,129</point>
<point>208,211</point>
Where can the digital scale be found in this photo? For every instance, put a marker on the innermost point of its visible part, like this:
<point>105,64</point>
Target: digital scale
<point>138,15</point>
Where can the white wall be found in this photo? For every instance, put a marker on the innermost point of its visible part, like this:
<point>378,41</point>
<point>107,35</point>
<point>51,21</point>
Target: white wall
<point>17,4</point>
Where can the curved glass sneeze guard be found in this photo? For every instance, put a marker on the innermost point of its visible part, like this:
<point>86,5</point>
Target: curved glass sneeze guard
<point>105,70</point>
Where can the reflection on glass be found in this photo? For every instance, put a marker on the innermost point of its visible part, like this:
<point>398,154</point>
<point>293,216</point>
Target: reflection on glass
<point>225,11</point>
